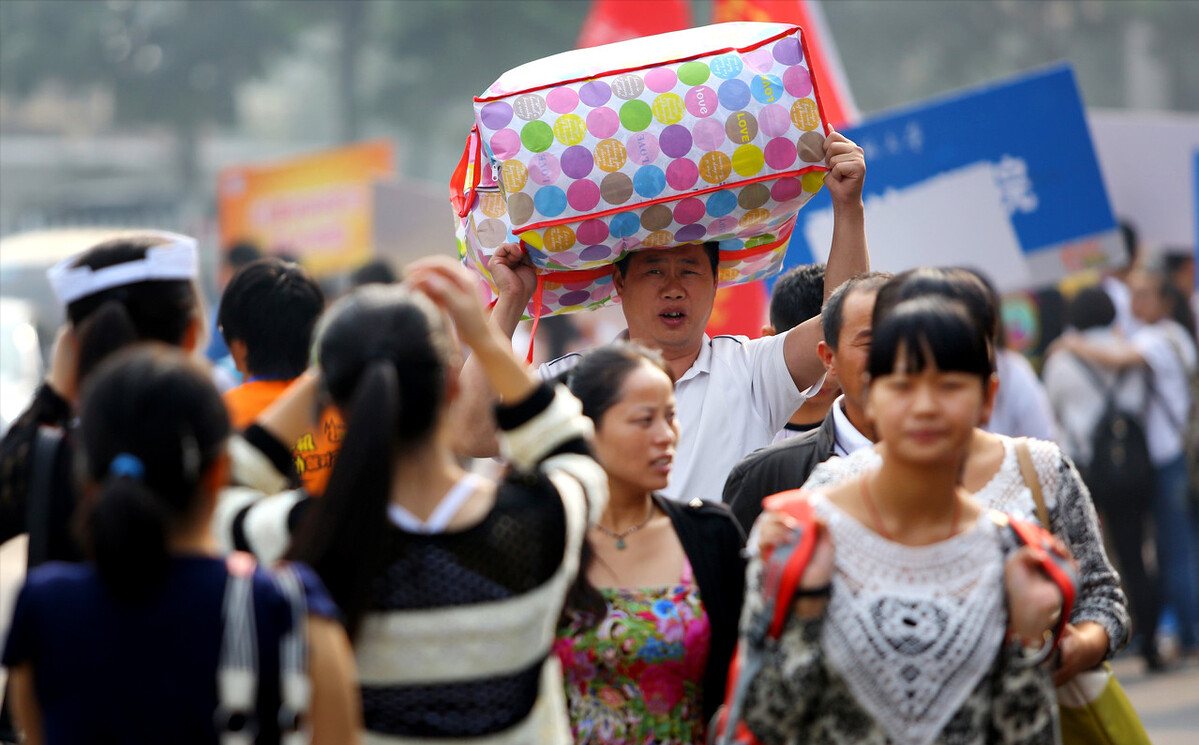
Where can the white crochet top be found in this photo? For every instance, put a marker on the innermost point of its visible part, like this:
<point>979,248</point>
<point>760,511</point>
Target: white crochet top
<point>912,629</point>
<point>1072,518</point>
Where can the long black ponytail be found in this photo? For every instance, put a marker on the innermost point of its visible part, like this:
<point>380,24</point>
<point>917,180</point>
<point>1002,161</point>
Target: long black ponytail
<point>151,426</point>
<point>384,356</point>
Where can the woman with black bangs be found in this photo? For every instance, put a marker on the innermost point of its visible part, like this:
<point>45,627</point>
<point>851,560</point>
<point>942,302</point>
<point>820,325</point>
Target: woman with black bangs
<point>900,633</point>
<point>994,475</point>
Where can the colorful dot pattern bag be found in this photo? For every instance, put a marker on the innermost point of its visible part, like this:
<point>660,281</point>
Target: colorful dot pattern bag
<point>709,134</point>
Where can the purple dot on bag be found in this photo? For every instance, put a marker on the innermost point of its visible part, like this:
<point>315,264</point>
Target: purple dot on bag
<point>688,211</point>
<point>649,181</point>
<point>784,190</point>
<point>723,226</point>
<point>592,231</point>
<point>661,79</point>
<point>577,161</point>
<point>721,203</point>
<point>774,120</point>
<point>788,52</point>
<point>624,224</point>
<point>780,153</point>
<point>595,93</point>
<point>642,148</point>
<point>505,144</point>
<point>562,100</point>
<point>675,140</point>
<point>682,174</point>
<point>759,59</point>
<point>689,233</point>
<point>582,195</point>
<point>603,122</point>
<point>574,297</point>
<point>708,134</point>
<point>797,82</point>
<point>495,115</point>
<point>734,95</point>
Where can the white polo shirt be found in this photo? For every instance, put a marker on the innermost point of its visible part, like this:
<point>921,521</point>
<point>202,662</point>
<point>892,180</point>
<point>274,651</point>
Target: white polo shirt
<point>732,400</point>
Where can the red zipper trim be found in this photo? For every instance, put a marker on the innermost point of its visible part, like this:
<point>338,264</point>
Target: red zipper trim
<point>790,30</point>
<point>803,44</point>
<point>663,200</point>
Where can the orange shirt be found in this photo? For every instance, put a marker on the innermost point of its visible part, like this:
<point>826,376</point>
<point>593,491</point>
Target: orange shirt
<point>313,453</point>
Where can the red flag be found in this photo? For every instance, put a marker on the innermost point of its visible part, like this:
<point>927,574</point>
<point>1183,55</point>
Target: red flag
<point>740,309</point>
<point>825,62</point>
<point>617,20</point>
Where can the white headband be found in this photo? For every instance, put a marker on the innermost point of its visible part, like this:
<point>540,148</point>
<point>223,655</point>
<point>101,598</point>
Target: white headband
<point>176,259</point>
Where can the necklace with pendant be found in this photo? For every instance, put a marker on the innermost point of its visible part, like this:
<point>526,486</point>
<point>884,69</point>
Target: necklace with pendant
<point>620,542</point>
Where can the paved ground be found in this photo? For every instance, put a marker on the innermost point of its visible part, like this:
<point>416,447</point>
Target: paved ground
<point>1168,703</point>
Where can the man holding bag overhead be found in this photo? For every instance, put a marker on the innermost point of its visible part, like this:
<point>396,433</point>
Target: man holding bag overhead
<point>734,393</point>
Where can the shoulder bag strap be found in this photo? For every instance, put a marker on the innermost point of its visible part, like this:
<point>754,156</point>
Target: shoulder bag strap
<point>236,717</point>
<point>295,687</point>
<point>46,442</point>
<point>1032,480</point>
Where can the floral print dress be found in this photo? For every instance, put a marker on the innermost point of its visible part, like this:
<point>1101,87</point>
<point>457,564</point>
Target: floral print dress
<point>637,677</point>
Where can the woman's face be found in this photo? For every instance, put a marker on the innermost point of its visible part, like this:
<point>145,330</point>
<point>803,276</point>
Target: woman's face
<point>928,417</point>
<point>635,437</point>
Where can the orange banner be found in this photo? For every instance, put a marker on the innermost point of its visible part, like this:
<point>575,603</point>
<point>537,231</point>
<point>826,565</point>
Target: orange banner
<point>316,207</point>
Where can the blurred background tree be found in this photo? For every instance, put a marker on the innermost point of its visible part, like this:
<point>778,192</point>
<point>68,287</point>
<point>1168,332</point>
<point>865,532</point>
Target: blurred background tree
<point>233,80</point>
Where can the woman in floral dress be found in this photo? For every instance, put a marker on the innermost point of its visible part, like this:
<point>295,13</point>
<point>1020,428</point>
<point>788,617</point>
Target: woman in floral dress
<point>649,630</point>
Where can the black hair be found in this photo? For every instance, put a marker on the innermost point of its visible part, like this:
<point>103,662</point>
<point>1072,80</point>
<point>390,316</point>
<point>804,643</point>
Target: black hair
<point>384,355</point>
<point>711,248</point>
<point>1000,338</point>
<point>242,253</point>
<point>272,307</point>
<point>796,297</point>
<point>1091,308</point>
<point>927,331</point>
<point>832,316</point>
<point>105,321</point>
<point>376,271</point>
<point>598,382</point>
<point>953,283</point>
<point>1132,245</point>
<point>152,409</point>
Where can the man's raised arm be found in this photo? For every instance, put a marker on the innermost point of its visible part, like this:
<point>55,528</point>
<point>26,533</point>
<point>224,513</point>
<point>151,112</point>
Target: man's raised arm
<point>848,256</point>
<point>473,413</point>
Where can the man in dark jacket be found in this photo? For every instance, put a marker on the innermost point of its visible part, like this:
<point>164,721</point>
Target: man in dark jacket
<point>846,322</point>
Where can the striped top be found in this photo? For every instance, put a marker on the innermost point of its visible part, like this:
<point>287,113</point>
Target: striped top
<point>457,642</point>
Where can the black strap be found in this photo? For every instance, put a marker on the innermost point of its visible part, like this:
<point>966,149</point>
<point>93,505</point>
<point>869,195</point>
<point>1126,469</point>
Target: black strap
<point>46,443</point>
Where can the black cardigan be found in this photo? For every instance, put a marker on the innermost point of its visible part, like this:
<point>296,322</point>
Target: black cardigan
<point>713,541</point>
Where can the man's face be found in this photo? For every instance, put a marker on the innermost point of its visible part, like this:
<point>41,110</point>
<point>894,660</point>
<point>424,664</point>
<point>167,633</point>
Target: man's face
<point>853,345</point>
<point>667,297</point>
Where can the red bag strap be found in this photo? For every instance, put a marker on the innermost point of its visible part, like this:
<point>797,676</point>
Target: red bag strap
<point>1053,561</point>
<point>538,309</point>
<point>793,503</point>
<point>462,200</point>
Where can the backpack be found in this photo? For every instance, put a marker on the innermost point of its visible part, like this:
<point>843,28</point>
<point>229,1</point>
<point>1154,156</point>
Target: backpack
<point>783,568</point>
<point>1120,470</point>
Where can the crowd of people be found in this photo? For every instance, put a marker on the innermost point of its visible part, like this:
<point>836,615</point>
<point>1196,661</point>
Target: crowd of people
<point>309,556</point>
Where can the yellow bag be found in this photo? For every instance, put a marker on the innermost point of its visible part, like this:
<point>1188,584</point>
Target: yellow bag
<point>1095,711</point>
